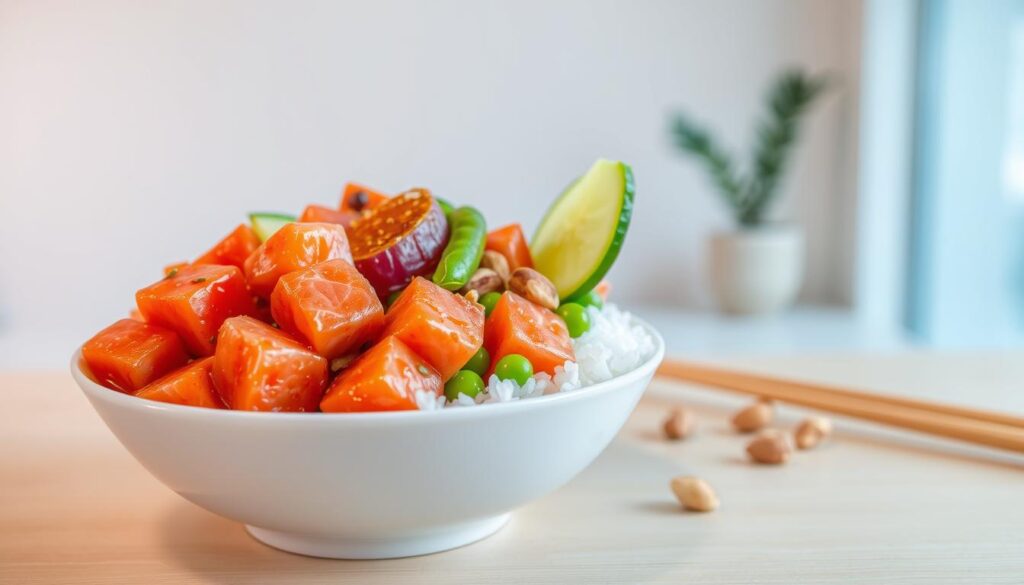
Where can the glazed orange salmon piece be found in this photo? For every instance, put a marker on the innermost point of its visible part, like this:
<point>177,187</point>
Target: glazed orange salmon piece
<point>293,247</point>
<point>189,386</point>
<point>319,213</point>
<point>386,377</point>
<point>131,353</point>
<point>443,327</point>
<point>172,269</point>
<point>257,367</point>
<point>233,249</point>
<point>510,242</point>
<point>359,198</point>
<point>518,326</point>
<point>329,305</point>
<point>194,302</point>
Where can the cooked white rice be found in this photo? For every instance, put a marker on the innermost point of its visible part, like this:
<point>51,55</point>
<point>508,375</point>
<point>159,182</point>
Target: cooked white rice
<point>613,346</point>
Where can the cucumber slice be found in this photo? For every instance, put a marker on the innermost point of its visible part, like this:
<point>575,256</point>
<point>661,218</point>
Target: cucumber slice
<point>583,230</point>
<point>265,224</point>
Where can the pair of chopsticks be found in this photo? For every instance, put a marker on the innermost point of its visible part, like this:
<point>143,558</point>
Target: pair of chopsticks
<point>982,427</point>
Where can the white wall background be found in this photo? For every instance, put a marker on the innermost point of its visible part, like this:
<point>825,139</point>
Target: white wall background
<point>133,134</point>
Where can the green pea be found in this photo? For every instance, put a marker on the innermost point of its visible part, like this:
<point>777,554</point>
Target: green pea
<point>591,299</point>
<point>576,318</point>
<point>479,363</point>
<point>461,256</point>
<point>392,298</point>
<point>464,382</point>
<point>514,367</point>
<point>488,301</point>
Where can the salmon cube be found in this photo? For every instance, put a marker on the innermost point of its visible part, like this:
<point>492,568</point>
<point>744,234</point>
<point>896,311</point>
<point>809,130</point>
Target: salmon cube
<point>329,305</point>
<point>172,269</point>
<point>359,198</point>
<point>195,301</point>
<point>510,242</point>
<point>130,354</point>
<point>518,326</point>
<point>443,327</point>
<point>257,367</point>
<point>189,386</point>
<point>293,247</point>
<point>387,377</point>
<point>319,213</point>
<point>233,249</point>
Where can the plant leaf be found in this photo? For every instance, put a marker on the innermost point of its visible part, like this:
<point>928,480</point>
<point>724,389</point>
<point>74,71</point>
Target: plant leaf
<point>790,96</point>
<point>694,140</point>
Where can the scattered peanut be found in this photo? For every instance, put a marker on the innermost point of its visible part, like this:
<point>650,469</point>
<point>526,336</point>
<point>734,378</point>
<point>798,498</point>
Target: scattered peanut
<point>497,262</point>
<point>483,281</point>
<point>811,431</point>
<point>534,287</point>
<point>694,494</point>
<point>472,296</point>
<point>679,424</point>
<point>770,447</point>
<point>753,418</point>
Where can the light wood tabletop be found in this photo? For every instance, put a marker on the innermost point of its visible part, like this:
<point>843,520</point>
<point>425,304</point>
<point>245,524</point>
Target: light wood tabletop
<point>870,505</point>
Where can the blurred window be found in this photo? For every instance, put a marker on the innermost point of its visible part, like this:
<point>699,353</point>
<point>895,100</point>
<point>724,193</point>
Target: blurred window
<point>966,261</point>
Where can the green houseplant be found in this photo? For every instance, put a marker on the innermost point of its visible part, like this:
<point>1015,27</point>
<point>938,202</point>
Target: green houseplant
<point>758,267</point>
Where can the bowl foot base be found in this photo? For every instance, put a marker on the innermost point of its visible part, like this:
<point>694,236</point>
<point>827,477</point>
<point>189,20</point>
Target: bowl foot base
<point>437,540</point>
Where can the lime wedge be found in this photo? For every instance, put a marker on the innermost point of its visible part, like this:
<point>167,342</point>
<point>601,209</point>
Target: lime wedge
<point>583,230</point>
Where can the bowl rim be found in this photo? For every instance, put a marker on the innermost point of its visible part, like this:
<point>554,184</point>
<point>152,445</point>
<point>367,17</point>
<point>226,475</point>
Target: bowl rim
<point>95,391</point>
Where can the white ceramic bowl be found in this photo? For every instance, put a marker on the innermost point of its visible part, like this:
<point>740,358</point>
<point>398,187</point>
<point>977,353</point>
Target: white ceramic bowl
<point>373,485</point>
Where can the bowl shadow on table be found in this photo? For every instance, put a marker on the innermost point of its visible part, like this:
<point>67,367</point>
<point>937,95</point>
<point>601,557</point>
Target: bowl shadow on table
<point>625,489</point>
<point>219,550</point>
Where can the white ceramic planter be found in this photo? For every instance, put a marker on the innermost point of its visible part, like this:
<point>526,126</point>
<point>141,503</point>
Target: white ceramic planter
<point>372,485</point>
<point>757,271</point>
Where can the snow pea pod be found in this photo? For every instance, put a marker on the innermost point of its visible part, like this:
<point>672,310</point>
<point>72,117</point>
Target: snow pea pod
<point>461,256</point>
<point>446,206</point>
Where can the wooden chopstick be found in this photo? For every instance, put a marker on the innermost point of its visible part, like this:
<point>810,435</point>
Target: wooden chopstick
<point>711,375</point>
<point>978,426</point>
